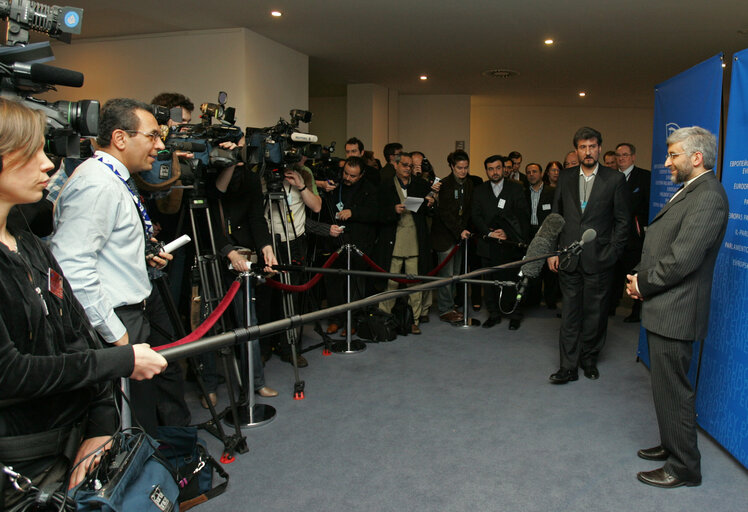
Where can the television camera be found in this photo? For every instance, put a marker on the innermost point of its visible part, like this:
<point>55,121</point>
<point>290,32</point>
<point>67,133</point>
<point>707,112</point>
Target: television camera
<point>23,72</point>
<point>276,148</point>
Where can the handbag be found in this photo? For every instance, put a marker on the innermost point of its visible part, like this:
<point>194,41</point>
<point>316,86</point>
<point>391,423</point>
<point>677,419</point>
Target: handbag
<point>188,453</point>
<point>132,475</point>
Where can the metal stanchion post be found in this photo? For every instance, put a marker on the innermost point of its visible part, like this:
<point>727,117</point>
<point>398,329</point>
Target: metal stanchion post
<point>126,413</point>
<point>250,414</point>
<point>467,321</point>
<point>349,346</point>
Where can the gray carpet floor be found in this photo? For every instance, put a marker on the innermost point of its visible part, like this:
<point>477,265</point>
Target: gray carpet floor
<point>463,420</point>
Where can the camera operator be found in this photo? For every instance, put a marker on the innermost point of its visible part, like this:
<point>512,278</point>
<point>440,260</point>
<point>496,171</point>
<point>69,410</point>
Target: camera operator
<point>242,227</point>
<point>100,242</point>
<point>300,193</point>
<point>54,383</point>
<point>353,214</point>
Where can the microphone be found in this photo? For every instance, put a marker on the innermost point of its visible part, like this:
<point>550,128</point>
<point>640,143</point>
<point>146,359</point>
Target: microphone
<point>192,147</point>
<point>303,137</point>
<point>588,236</point>
<point>47,74</point>
<point>543,243</point>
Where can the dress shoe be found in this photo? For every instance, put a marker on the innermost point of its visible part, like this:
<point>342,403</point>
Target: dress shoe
<point>654,453</point>
<point>423,319</point>
<point>332,328</point>
<point>301,361</point>
<point>591,372</point>
<point>213,400</point>
<point>514,324</point>
<point>344,332</point>
<point>562,376</point>
<point>661,478</point>
<point>451,316</point>
<point>414,329</point>
<point>267,392</point>
<point>632,319</point>
<point>492,320</point>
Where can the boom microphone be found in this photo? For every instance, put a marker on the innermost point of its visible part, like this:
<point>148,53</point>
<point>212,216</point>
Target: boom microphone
<point>44,74</point>
<point>303,137</point>
<point>543,243</point>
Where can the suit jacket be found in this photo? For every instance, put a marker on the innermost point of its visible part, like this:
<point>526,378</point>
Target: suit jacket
<point>509,212</point>
<point>448,223</point>
<point>361,199</point>
<point>607,212</point>
<point>675,272</point>
<point>639,183</point>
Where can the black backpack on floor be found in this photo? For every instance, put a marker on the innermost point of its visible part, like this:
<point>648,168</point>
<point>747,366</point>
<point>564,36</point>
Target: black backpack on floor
<point>403,314</point>
<point>375,325</point>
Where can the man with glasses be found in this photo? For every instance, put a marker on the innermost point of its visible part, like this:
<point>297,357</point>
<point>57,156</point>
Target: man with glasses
<point>101,227</point>
<point>403,244</point>
<point>674,281</point>
<point>638,184</point>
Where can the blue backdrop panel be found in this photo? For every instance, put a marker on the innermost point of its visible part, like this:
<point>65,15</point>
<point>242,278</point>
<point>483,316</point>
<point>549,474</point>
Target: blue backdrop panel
<point>693,97</point>
<point>722,399</point>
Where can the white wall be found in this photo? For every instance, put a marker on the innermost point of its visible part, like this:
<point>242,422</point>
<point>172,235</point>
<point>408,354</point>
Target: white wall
<point>263,79</point>
<point>432,124</point>
<point>329,121</point>
<point>544,133</point>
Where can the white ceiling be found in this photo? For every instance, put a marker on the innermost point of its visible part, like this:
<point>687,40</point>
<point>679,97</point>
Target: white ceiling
<point>615,51</point>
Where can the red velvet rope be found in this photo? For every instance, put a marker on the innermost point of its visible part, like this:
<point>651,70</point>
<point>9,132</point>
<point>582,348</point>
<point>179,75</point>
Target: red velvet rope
<point>208,323</point>
<point>303,287</point>
<point>432,272</point>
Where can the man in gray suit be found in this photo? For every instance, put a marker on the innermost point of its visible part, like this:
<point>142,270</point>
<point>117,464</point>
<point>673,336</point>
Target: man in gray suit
<point>674,281</point>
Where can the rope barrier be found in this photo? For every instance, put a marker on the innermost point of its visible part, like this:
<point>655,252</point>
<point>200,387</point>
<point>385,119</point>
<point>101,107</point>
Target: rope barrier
<point>432,272</point>
<point>209,322</point>
<point>303,287</point>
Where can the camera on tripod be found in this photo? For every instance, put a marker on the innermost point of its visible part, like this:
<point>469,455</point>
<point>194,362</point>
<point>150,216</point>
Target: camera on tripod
<point>22,73</point>
<point>203,140</point>
<point>276,148</point>
<point>327,167</point>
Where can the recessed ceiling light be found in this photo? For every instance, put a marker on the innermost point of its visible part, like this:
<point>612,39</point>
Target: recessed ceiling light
<point>582,94</point>
<point>277,14</point>
<point>548,42</point>
<point>424,77</point>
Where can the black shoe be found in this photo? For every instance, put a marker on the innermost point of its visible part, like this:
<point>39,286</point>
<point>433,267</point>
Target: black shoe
<point>661,478</point>
<point>492,320</point>
<point>562,376</point>
<point>514,324</point>
<point>654,453</point>
<point>423,319</point>
<point>591,372</point>
<point>632,319</point>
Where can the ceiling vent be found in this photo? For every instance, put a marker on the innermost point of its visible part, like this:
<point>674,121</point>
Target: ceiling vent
<point>500,73</point>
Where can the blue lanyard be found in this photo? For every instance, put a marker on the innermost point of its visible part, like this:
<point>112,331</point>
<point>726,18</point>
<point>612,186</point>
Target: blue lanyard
<point>147,224</point>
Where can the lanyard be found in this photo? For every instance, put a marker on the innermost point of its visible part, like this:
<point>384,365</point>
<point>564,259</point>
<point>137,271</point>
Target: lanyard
<point>147,224</point>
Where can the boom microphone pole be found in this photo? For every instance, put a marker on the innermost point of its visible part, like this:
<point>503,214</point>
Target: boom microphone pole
<point>174,352</point>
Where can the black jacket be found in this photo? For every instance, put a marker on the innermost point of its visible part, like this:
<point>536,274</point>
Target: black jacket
<point>449,219</point>
<point>361,199</point>
<point>48,360</point>
<point>387,198</point>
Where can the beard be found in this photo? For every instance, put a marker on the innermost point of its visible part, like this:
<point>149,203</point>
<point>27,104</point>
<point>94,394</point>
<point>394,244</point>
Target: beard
<point>682,173</point>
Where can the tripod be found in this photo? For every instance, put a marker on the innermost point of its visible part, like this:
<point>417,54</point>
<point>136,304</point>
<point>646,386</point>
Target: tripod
<point>279,200</point>
<point>212,291</point>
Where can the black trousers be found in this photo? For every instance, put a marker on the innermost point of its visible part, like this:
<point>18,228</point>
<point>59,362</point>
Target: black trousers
<point>584,316</point>
<point>674,401</point>
<point>160,400</point>
<point>499,303</point>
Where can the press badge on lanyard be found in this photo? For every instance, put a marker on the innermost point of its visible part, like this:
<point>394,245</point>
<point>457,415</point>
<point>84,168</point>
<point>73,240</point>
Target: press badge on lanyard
<point>54,283</point>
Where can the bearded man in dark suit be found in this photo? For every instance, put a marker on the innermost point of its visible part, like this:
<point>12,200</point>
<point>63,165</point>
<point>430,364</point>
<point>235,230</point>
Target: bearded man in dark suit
<point>590,196</point>
<point>674,281</point>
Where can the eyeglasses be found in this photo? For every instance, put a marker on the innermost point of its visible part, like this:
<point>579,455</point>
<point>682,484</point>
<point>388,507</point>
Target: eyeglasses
<point>672,156</point>
<point>154,135</point>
